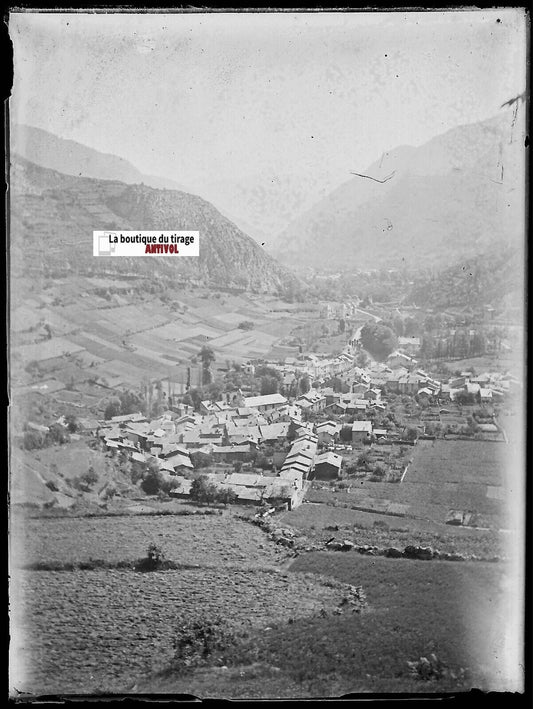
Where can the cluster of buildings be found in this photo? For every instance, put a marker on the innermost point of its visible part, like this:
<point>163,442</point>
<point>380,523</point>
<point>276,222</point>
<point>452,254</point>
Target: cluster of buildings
<point>301,433</point>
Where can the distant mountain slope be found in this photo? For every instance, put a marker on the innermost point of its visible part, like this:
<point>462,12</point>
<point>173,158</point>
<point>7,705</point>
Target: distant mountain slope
<point>53,216</point>
<point>72,158</point>
<point>459,194</point>
<point>496,279</point>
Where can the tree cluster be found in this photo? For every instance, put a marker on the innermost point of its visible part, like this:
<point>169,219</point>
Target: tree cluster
<point>378,339</point>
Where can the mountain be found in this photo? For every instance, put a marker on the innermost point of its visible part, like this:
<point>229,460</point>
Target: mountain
<point>459,194</point>
<point>53,215</point>
<point>72,158</point>
<point>495,278</point>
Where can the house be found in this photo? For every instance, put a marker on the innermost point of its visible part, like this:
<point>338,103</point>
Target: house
<point>179,461</point>
<point>409,345</point>
<point>372,394</point>
<point>445,392</point>
<point>380,433</point>
<point>237,435</point>
<point>312,401</point>
<point>301,455</point>
<point>232,453</point>
<point>128,418</point>
<point>337,408</point>
<point>88,425</point>
<point>279,489</point>
<point>327,466</point>
<point>292,477</point>
<point>361,431</point>
<point>191,439</point>
<point>408,384</point>
<point>274,432</point>
<point>399,359</point>
<point>268,402</point>
<point>359,388</point>
<point>485,395</point>
<point>184,489</point>
<point>488,428</point>
<point>327,432</point>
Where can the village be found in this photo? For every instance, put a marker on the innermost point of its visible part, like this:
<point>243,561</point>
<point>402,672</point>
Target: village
<point>327,423</point>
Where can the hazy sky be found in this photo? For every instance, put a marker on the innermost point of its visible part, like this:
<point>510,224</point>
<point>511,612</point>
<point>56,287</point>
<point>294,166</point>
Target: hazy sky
<point>263,113</point>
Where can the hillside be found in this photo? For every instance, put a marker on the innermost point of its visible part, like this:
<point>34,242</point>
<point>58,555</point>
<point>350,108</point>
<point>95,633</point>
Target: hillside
<point>459,194</point>
<point>495,279</point>
<point>72,158</point>
<point>53,216</point>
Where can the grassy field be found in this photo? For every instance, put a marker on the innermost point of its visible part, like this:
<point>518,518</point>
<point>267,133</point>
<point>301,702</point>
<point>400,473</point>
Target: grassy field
<point>317,520</point>
<point>443,475</point>
<point>111,630</point>
<point>413,610</point>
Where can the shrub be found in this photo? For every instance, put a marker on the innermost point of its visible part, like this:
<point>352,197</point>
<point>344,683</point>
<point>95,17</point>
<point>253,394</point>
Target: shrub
<point>432,668</point>
<point>32,440</point>
<point>90,477</point>
<point>110,492</point>
<point>154,560</point>
<point>411,434</point>
<point>201,640</point>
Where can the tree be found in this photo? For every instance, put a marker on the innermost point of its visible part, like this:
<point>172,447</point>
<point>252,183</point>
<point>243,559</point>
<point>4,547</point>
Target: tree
<point>269,385</point>
<point>411,433</point>
<point>112,409</point>
<point>201,460</point>
<point>246,325</point>
<point>378,339</point>
<point>153,480</point>
<point>88,479</point>
<point>227,496</point>
<point>465,398</point>
<point>398,325</point>
<point>137,471</point>
<point>203,491</point>
<point>72,423</point>
<point>131,403</point>
<point>207,356</point>
<point>304,385</point>
<point>361,360</point>
<point>57,434</point>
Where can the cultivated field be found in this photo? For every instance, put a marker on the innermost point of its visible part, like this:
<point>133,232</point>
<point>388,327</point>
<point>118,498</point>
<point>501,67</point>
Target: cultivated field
<point>102,630</point>
<point>119,338</point>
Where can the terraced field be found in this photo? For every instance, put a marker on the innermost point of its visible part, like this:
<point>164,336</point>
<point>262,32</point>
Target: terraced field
<point>162,337</point>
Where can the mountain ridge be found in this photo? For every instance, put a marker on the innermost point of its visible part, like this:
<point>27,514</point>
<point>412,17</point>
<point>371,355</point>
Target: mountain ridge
<point>73,158</point>
<point>53,216</point>
<point>462,191</point>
